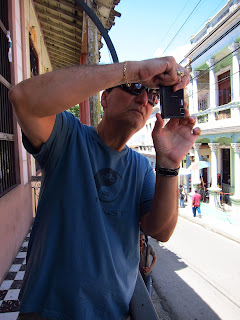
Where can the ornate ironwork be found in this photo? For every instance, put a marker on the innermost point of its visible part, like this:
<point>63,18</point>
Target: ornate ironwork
<point>36,187</point>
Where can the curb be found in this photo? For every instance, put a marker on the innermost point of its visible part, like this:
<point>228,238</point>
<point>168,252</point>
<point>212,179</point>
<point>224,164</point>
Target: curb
<point>229,231</point>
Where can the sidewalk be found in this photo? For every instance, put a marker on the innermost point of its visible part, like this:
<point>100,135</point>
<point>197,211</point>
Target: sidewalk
<point>10,287</point>
<point>226,229</point>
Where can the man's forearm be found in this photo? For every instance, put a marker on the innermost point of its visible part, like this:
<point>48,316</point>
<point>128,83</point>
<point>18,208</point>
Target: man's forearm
<point>57,91</point>
<point>160,222</point>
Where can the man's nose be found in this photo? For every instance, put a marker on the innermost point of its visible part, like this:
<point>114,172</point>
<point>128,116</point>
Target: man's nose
<point>142,98</point>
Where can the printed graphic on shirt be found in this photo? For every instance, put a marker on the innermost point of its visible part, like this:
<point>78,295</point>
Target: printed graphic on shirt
<point>109,184</point>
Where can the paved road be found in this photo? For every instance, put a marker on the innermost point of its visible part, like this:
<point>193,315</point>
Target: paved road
<point>197,274</point>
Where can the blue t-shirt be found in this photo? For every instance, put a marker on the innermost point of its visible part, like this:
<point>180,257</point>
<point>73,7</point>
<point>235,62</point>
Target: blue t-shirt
<point>83,253</point>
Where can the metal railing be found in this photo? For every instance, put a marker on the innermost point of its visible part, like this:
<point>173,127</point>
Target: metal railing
<point>222,200</point>
<point>220,112</point>
<point>36,187</point>
<point>7,150</point>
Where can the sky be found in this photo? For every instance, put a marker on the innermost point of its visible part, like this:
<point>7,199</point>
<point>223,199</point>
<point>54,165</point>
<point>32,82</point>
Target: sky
<point>154,28</point>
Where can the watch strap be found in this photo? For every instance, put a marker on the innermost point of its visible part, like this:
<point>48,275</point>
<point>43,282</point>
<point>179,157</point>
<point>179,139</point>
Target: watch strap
<point>167,172</point>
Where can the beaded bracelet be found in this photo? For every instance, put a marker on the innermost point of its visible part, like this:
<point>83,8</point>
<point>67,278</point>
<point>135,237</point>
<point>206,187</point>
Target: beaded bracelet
<point>161,171</point>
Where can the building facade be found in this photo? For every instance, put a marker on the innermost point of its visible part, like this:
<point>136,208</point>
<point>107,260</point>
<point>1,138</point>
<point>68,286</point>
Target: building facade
<point>214,98</point>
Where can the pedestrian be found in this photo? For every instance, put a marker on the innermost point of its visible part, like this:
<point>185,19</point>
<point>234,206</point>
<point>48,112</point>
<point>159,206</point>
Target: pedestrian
<point>196,199</point>
<point>83,255</point>
<point>181,196</point>
<point>148,259</point>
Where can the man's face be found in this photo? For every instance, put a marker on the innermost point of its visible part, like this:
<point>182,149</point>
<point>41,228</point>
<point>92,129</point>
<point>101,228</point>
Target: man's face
<point>142,240</point>
<point>126,109</point>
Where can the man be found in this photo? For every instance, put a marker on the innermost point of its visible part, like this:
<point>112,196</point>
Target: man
<point>83,255</point>
<point>181,196</point>
<point>196,198</point>
<point>148,259</point>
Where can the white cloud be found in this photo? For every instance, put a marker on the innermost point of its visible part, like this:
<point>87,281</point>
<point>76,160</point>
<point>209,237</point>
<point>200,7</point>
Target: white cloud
<point>178,53</point>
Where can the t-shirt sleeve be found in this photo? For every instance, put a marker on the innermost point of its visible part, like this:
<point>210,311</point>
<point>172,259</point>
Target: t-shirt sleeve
<point>152,252</point>
<point>51,149</point>
<point>147,191</point>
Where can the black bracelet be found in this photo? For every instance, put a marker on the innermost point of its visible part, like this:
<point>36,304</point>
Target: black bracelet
<point>161,171</point>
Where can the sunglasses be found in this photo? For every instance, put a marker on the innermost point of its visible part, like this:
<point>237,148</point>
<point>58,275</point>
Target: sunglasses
<point>142,239</point>
<point>137,88</point>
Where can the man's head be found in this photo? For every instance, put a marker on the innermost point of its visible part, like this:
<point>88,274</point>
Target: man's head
<point>196,191</point>
<point>142,239</point>
<point>128,107</point>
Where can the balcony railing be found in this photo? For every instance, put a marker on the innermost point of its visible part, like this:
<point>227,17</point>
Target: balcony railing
<point>220,113</point>
<point>146,149</point>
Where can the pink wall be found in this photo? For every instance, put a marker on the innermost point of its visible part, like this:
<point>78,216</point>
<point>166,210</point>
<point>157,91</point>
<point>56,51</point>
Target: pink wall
<point>15,221</point>
<point>16,212</point>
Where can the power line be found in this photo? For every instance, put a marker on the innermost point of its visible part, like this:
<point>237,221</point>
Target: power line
<point>174,22</point>
<point>205,20</point>
<point>208,86</point>
<point>209,16</point>
<point>214,64</point>
<point>217,40</point>
<point>183,24</point>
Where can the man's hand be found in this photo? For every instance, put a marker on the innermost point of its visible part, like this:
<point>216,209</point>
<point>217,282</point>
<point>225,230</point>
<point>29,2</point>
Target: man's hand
<point>159,71</point>
<point>174,141</point>
<point>146,269</point>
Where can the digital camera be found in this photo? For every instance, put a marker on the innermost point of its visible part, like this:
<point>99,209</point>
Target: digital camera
<point>172,103</point>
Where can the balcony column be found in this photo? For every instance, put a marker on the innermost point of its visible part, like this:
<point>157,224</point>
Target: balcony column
<point>196,148</point>
<point>234,47</point>
<point>235,199</point>
<point>195,173</point>
<point>190,93</point>
<point>214,169</point>
<point>212,88</point>
<point>236,148</point>
<point>195,75</point>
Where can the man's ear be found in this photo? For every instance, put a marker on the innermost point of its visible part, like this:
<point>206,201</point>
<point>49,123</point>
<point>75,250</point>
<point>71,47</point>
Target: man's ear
<point>104,99</point>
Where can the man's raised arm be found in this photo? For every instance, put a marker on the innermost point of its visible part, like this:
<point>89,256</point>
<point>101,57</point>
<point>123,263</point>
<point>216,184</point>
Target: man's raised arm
<point>36,101</point>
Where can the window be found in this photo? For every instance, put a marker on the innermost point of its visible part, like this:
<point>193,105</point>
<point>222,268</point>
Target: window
<point>7,137</point>
<point>224,88</point>
<point>33,59</point>
<point>226,166</point>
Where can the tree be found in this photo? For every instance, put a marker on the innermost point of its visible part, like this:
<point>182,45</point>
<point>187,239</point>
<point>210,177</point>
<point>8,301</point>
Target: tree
<point>75,111</point>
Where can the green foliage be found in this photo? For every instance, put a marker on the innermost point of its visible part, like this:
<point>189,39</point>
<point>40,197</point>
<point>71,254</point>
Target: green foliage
<point>101,111</point>
<point>75,111</point>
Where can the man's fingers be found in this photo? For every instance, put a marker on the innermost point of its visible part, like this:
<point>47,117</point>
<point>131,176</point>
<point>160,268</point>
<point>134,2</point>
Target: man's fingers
<point>196,131</point>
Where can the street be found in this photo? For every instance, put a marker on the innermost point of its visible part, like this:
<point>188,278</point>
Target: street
<point>197,274</point>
